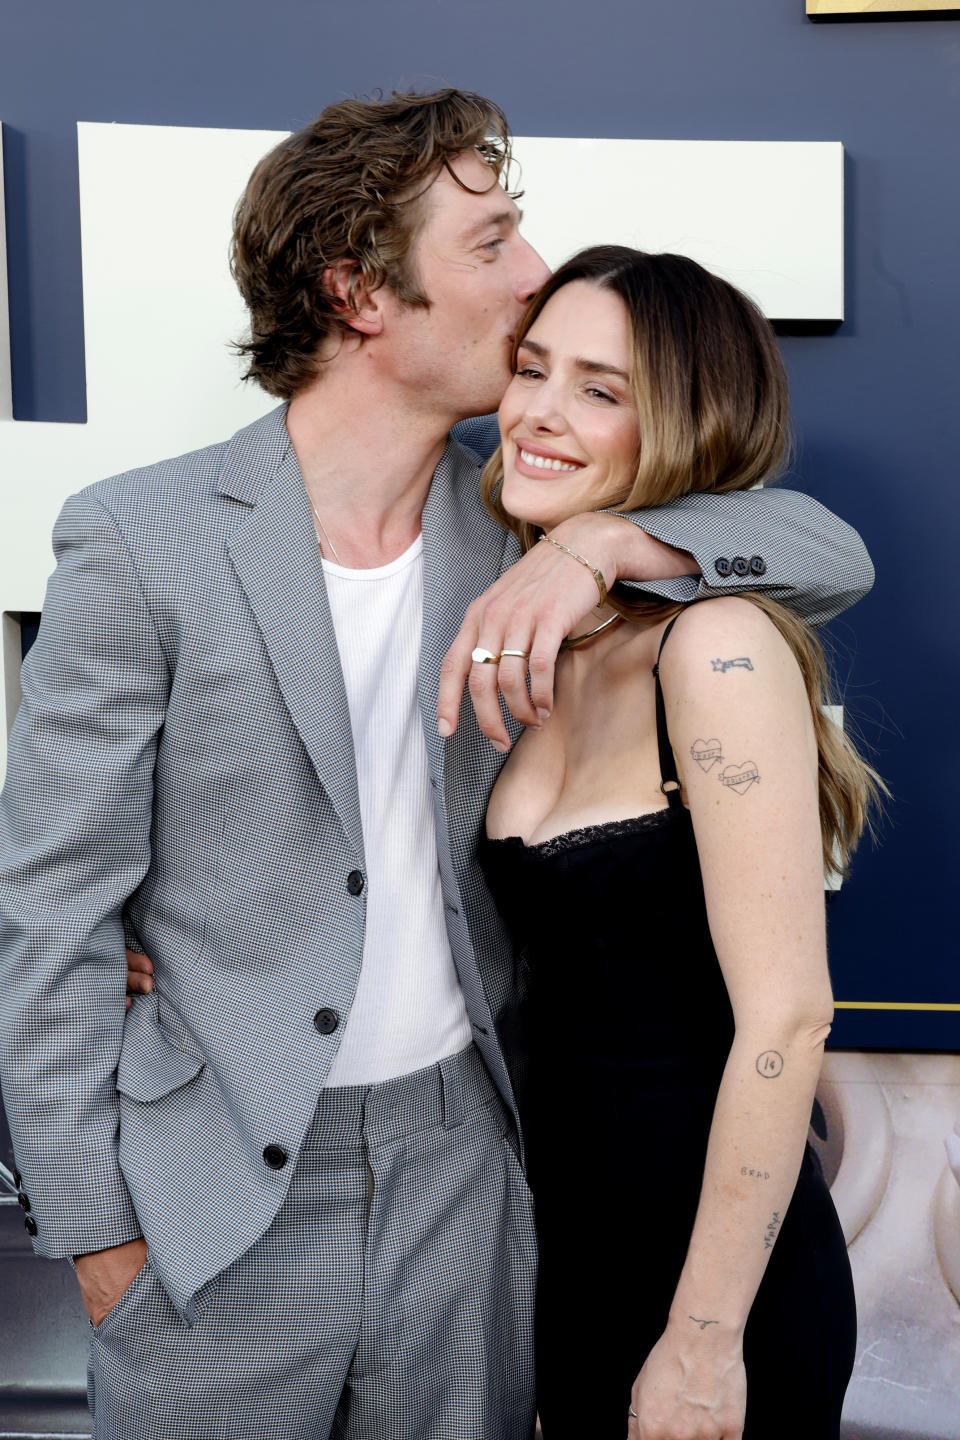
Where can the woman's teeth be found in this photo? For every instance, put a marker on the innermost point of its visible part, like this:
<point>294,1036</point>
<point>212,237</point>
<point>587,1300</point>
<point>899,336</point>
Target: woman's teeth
<point>543,463</point>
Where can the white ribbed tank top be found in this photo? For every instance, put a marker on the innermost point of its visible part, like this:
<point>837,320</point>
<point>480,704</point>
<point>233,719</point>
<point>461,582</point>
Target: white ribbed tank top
<point>409,1010</point>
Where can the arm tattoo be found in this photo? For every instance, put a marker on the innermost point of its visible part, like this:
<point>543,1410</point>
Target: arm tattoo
<point>703,1323</point>
<point>749,1173</point>
<point>738,778</point>
<point>707,753</point>
<point>770,1234</point>
<point>770,1064</point>
<point>743,661</point>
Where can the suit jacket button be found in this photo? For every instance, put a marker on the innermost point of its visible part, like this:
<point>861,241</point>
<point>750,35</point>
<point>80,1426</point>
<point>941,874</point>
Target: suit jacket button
<point>326,1021</point>
<point>758,566</point>
<point>275,1156</point>
<point>355,882</point>
<point>741,566</point>
<point>30,1225</point>
<point>24,1200</point>
<point>722,566</point>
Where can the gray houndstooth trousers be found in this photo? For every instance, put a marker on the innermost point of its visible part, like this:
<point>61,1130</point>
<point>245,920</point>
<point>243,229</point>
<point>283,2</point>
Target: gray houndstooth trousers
<point>391,1297</point>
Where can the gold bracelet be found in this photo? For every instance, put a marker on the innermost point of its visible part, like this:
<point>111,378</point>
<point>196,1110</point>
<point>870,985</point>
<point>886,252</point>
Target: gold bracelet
<point>597,574</point>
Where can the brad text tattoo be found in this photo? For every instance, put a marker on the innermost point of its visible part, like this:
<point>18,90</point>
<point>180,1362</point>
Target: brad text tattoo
<point>740,777</point>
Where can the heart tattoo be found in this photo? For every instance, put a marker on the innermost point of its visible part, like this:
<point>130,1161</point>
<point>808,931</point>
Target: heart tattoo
<point>740,777</point>
<point>706,753</point>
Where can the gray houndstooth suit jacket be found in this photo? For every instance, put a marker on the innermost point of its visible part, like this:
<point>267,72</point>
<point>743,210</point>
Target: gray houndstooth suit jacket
<point>181,771</point>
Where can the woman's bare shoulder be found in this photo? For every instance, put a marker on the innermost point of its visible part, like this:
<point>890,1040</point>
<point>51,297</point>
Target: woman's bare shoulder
<point>720,636</point>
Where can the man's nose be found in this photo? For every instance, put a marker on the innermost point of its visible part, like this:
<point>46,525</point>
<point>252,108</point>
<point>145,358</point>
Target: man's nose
<point>533,272</point>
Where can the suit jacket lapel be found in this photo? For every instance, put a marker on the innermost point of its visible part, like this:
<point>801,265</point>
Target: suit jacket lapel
<point>275,554</point>
<point>463,549</point>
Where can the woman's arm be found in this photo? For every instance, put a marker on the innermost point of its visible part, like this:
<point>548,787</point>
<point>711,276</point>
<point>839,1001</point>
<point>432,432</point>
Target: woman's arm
<point>755,816</point>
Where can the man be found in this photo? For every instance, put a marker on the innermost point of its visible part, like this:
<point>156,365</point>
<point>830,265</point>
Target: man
<point>228,752</point>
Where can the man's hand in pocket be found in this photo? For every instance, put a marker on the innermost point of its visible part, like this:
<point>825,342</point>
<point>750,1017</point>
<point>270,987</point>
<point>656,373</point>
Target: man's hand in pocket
<point>105,1275</point>
<point>139,974</point>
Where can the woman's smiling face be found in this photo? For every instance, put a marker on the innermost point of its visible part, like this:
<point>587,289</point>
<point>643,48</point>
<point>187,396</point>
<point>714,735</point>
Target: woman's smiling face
<point>568,421</point>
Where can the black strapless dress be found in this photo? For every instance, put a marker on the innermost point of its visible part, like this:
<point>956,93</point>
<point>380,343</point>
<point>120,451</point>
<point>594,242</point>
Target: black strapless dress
<point>626,1026</point>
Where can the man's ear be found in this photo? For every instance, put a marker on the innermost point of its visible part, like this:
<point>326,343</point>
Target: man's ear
<point>356,306</point>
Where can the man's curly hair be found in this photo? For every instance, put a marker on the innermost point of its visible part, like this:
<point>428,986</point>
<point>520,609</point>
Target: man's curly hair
<point>347,187</point>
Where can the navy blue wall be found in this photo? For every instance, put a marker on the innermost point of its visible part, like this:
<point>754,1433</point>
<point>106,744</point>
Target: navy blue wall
<point>876,401</point>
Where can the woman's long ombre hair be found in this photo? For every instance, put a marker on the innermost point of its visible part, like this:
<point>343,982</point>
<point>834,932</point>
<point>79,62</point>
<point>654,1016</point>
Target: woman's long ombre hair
<point>713,410</point>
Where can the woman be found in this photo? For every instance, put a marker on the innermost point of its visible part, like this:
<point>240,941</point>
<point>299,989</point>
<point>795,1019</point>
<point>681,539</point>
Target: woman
<point>657,847</point>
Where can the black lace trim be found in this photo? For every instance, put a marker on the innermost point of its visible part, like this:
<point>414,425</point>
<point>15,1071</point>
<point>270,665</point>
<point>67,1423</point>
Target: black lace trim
<point>594,834</point>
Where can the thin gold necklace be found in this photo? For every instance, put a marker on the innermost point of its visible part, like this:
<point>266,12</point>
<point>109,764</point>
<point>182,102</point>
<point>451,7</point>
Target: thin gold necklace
<point>323,532</point>
<point>573,640</point>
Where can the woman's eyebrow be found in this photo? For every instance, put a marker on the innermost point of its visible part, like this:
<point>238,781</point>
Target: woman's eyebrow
<point>592,367</point>
<point>599,367</point>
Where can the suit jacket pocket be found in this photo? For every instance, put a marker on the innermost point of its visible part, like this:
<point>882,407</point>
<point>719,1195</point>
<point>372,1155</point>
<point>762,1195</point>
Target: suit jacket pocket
<point>122,1301</point>
<point>150,1065</point>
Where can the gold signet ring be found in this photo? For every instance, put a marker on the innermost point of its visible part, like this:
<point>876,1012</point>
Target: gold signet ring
<point>484,657</point>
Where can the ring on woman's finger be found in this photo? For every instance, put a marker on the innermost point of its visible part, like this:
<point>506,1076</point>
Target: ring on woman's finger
<point>520,654</point>
<point>484,657</point>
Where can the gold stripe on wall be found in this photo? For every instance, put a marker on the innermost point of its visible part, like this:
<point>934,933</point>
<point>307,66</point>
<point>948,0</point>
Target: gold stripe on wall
<point>876,7</point>
<point>890,1005</point>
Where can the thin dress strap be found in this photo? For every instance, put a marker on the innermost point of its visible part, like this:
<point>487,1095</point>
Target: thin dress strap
<point>669,780</point>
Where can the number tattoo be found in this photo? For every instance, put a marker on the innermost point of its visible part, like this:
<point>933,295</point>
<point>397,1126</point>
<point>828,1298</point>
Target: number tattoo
<point>770,1064</point>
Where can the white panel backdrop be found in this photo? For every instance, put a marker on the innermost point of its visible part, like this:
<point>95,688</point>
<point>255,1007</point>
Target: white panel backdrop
<point>767,215</point>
